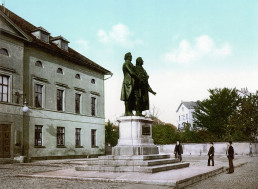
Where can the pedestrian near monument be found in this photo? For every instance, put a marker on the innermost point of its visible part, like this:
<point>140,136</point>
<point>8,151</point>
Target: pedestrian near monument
<point>211,154</point>
<point>178,151</point>
<point>230,157</point>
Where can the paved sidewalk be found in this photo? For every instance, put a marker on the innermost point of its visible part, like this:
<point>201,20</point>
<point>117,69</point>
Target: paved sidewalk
<point>197,171</point>
<point>245,177</point>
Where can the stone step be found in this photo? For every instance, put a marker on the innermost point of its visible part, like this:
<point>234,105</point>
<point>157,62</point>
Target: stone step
<point>159,168</point>
<point>151,169</point>
<point>138,157</point>
<point>109,168</point>
<point>162,161</point>
<point>132,162</point>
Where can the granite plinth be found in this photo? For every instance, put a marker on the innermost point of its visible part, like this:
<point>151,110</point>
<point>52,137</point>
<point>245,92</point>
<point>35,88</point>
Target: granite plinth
<point>135,137</point>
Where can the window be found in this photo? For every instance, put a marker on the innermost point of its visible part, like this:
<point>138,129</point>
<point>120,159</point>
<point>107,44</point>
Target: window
<point>4,52</point>
<point>60,136</point>
<point>44,37</point>
<point>186,116</point>
<point>93,81</point>
<point>38,95</point>
<point>38,63</point>
<point>38,135</point>
<point>77,76</point>
<point>60,97</point>
<point>182,108</point>
<point>59,70</point>
<point>78,137</point>
<point>93,106</point>
<point>179,118</point>
<point>4,81</point>
<point>93,138</point>
<point>77,103</point>
<point>64,45</point>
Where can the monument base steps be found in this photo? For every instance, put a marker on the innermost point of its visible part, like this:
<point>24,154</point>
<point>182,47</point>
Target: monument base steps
<point>144,163</point>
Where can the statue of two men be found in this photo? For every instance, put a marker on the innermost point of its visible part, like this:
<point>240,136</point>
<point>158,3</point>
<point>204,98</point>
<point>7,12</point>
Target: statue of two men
<point>135,88</point>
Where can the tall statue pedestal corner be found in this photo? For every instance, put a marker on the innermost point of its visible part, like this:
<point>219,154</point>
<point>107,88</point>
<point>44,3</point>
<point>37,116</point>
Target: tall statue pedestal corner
<point>135,137</point>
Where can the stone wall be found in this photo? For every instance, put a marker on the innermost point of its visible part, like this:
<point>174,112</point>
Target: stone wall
<point>241,148</point>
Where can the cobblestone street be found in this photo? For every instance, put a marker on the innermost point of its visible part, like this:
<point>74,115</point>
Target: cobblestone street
<point>245,176</point>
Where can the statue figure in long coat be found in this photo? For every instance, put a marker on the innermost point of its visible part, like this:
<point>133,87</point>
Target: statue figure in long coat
<point>142,88</point>
<point>127,93</point>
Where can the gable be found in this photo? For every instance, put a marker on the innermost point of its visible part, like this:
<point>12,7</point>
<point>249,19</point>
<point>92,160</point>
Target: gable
<point>6,26</point>
<point>183,106</point>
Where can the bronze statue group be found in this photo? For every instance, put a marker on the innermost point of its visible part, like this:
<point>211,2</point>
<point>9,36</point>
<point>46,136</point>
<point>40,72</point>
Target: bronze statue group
<point>178,151</point>
<point>135,87</point>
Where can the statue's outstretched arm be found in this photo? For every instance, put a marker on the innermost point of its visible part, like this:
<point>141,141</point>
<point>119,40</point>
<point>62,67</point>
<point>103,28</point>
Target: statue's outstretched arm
<point>150,90</point>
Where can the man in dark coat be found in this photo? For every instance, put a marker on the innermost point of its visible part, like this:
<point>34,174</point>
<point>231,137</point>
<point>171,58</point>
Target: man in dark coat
<point>178,151</point>
<point>127,92</point>
<point>211,154</point>
<point>230,157</point>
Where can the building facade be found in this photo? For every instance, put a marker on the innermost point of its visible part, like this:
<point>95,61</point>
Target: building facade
<point>184,113</point>
<point>63,90</point>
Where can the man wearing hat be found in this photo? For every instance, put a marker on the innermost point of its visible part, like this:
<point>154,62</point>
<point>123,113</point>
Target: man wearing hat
<point>230,157</point>
<point>178,151</point>
<point>211,154</point>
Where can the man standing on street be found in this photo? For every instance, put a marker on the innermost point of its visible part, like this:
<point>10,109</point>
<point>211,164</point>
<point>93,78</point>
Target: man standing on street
<point>178,151</point>
<point>211,154</point>
<point>230,157</point>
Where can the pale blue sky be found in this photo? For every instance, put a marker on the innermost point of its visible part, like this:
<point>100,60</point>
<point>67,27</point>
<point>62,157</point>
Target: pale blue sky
<point>187,46</point>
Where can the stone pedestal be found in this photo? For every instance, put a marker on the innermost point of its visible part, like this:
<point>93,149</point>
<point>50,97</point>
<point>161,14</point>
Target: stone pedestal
<point>135,137</point>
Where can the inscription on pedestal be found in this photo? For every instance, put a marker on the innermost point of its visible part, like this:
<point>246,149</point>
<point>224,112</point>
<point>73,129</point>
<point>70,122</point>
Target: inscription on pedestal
<point>145,130</point>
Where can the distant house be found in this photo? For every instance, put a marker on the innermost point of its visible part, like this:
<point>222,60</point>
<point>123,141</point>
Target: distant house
<point>185,113</point>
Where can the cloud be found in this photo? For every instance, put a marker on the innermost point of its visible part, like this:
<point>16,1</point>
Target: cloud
<point>120,35</point>
<point>82,46</point>
<point>202,46</point>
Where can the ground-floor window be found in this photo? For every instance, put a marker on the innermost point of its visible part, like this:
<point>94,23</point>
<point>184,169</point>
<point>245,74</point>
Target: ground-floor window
<point>60,136</point>
<point>38,135</point>
<point>93,138</point>
<point>78,137</point>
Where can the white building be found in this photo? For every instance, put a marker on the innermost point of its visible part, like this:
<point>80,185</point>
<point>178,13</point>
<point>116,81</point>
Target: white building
<point>185,113</point>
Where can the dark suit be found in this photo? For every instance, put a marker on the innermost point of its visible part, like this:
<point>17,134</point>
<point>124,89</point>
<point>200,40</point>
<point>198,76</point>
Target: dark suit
<point>230,159</point>
<point>127,92</point>
<point>128,83</point>
<point>211,156</point>
<point>178,151</point>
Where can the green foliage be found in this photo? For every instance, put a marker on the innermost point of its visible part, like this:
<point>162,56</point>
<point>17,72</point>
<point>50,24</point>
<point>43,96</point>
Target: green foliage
<point>163,134</point>
<point>111,134</point>
<point>243,124</point>
<point>186,134</point>
<point>213,114</point>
